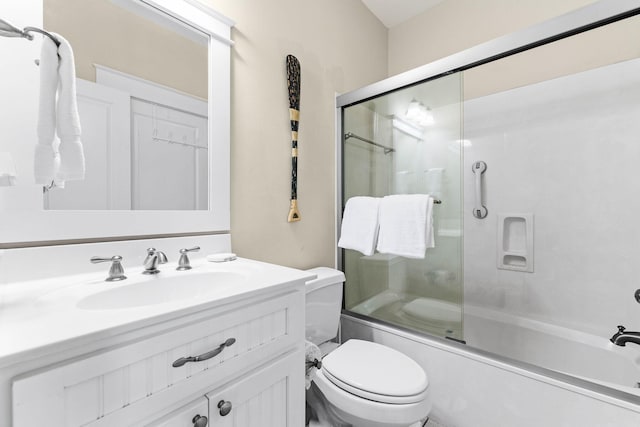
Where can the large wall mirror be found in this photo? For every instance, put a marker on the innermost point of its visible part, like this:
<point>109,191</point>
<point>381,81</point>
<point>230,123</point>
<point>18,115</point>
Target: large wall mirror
<point>152,80</point>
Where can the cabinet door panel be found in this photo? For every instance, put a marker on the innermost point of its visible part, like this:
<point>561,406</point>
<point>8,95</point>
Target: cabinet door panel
<point>270,397</point>
<point>184,416</point>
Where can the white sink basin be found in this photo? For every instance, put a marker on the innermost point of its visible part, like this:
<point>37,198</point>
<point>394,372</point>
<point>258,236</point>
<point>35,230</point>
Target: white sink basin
<point>161,290</point>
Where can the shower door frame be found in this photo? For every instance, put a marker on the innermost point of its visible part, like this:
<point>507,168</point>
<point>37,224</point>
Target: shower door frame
<point>581,20</point>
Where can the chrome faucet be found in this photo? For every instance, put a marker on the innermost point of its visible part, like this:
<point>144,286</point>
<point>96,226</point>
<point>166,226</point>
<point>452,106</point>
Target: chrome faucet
<point>154,257</point>
<point>621,337</point>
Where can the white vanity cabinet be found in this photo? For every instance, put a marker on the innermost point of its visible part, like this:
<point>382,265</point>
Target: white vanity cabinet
<point>134,382</point>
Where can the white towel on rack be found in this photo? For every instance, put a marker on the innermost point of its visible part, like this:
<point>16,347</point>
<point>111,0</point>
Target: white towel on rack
<point>360,225</point>
<point>406,225</point>
<point>72,165</point>
<point>46,159</point>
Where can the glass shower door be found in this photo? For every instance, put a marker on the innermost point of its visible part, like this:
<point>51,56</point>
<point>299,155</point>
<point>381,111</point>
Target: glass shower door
<point>409,142</point>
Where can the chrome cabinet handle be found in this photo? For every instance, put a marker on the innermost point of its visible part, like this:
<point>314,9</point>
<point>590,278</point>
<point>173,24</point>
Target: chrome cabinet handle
<point>183,262</point>
<point>225,407</point>
<point>199,421</point>
<point>478,168</point>
<point>206,356</point>
<point>116,271</point>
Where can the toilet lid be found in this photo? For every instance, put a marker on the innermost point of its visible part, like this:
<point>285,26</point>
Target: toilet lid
<point>375,372</point>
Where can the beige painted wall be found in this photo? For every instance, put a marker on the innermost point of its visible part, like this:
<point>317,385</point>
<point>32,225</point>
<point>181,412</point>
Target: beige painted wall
<point>455,25</point>
<point>341,46</point>
<point>105,34</point>
<point>582,52</point>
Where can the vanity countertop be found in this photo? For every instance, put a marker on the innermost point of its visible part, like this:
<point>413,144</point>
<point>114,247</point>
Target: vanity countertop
<point>46,316</point>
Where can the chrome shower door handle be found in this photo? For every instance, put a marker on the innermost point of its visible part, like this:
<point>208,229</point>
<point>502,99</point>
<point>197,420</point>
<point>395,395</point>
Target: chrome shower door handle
<point>479,210</point>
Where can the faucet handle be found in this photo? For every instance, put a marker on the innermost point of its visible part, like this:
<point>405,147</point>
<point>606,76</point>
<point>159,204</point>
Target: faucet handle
<point>621,328</point>
<point>183,262</point>
<point>116,271</point>
<point>97,259</point>
<point>193,249</point>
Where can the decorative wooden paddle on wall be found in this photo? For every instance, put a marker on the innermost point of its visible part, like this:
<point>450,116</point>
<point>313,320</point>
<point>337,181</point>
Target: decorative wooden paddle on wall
<point>293,84</point>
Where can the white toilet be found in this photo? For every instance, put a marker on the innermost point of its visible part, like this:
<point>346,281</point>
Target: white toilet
<point>363,384</point>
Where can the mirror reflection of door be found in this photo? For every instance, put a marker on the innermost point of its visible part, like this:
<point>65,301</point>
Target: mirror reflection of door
<point>104,116</point>
<point>142,82</point>
<point>143,156</point>
<point>165,139</point>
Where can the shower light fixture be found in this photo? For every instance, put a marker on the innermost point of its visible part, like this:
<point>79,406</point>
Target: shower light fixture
<point>419,114</point>
<point>413,111</point>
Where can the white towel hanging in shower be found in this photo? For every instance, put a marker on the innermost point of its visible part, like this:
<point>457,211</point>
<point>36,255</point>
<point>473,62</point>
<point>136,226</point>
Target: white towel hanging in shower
<point>360,225</point>
<point>406,225</point>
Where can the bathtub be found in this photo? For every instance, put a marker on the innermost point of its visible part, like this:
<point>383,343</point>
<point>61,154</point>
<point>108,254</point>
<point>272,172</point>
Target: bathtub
<point>553,347</point>
<point>542,344</point>
<point>472,387</point>
<point>533,372</point>
<point>437,317</point>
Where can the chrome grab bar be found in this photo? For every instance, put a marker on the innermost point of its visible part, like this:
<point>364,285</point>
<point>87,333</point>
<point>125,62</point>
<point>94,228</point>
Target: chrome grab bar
<point>479,168</point>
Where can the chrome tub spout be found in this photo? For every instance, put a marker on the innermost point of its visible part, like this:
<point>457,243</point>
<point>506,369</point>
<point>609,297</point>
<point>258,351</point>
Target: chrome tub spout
<point>622,337</point>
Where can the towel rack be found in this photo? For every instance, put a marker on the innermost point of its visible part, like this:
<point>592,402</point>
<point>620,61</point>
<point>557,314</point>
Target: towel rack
<point>386,149</point>
<point>9,30</point>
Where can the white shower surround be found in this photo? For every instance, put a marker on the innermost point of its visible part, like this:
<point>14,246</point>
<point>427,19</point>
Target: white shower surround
<point>564,150</point>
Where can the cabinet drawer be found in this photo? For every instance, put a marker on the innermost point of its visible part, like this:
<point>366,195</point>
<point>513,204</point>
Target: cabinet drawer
<point>124,385</point>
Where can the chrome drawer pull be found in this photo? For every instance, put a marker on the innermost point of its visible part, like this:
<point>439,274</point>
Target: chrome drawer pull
<point>205,356</point>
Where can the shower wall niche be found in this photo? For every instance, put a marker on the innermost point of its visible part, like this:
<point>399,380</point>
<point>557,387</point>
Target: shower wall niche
<point>409,142</point>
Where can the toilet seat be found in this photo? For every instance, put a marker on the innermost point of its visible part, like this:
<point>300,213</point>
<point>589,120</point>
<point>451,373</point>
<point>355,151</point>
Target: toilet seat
<point>375,372</point>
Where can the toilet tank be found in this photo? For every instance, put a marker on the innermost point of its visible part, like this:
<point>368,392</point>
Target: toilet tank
<point>323,304</point>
